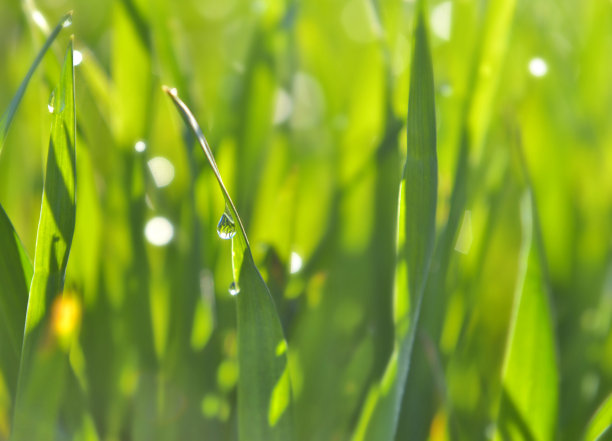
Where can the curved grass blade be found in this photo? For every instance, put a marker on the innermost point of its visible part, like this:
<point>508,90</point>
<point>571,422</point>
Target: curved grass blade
<point>7,117</point>
<point>15,277</point>
<point>529,400</point>
<point>264,389</point>
<point>529,378</point>
<point>416,234</point>
<point>600,425</point>
<point>44,357</point>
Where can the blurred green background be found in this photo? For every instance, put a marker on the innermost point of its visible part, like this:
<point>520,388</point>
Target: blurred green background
<point>304,105</point>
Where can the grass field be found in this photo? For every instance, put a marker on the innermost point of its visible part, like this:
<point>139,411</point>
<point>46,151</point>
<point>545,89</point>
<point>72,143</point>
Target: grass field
<point>281,220</point>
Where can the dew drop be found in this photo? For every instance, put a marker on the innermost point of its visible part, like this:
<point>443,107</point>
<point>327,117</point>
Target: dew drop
<point>234,289</point>
<point>67,22</point>
<point>50,105</point>
<point>226,228</point>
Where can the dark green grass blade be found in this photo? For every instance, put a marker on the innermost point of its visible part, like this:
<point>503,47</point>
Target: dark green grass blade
<point>479,104</point>
<point>421,171</point>
<point>600,426</point>
<point>264,389</point>
<point>15,277</point>
<point>418,196</point>
<point>43,359</point>
<point>7,117</point>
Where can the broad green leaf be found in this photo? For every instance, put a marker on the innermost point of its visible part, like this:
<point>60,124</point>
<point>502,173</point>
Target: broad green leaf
<point>418,196</point>
<point>7,117</point>
<point>47,334</point>
<point>528,407</point>
<point>601,423</point>
<point>264,388</point>
<point>15,276</point>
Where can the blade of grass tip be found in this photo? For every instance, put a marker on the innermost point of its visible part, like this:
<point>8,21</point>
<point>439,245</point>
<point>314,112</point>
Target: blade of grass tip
<point>7,117</point>
<point>15,276</point>
<point>264,388</point>
<point>416,234</point>
<point>600,424</point>
<point>47,336</point>
<point>243,243</point>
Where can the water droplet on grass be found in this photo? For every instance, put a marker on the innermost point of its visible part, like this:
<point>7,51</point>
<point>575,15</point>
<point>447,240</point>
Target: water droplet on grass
<point>234,289</point>
<point>51,104</point>
<point>67,22</point>
<point>226,228</point>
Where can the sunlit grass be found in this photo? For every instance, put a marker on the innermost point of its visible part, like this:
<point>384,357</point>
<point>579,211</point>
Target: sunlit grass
<point>428,253</point>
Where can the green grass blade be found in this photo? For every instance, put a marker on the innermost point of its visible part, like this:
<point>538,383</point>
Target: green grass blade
<point>15,277</point>
<point>418,196</point>
<point>43,359</point>
<point>601,423</point>
<point>264,389</point>
<point>421,170</point>
<point>529,379</point>
<point>7,117</point>
<point>193,124</point>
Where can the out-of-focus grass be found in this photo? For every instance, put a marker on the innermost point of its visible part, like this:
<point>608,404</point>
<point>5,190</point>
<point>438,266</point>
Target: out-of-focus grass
<point>305,107</point>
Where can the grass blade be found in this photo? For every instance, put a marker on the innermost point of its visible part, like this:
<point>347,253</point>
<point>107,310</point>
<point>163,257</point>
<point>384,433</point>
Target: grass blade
<point>43,358</point>
<point>15,277</point>
<point>418,196</point>
<point>529,379</point>
<point>264,389</point>
<point>7,117</point>
<point>601,423</point>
